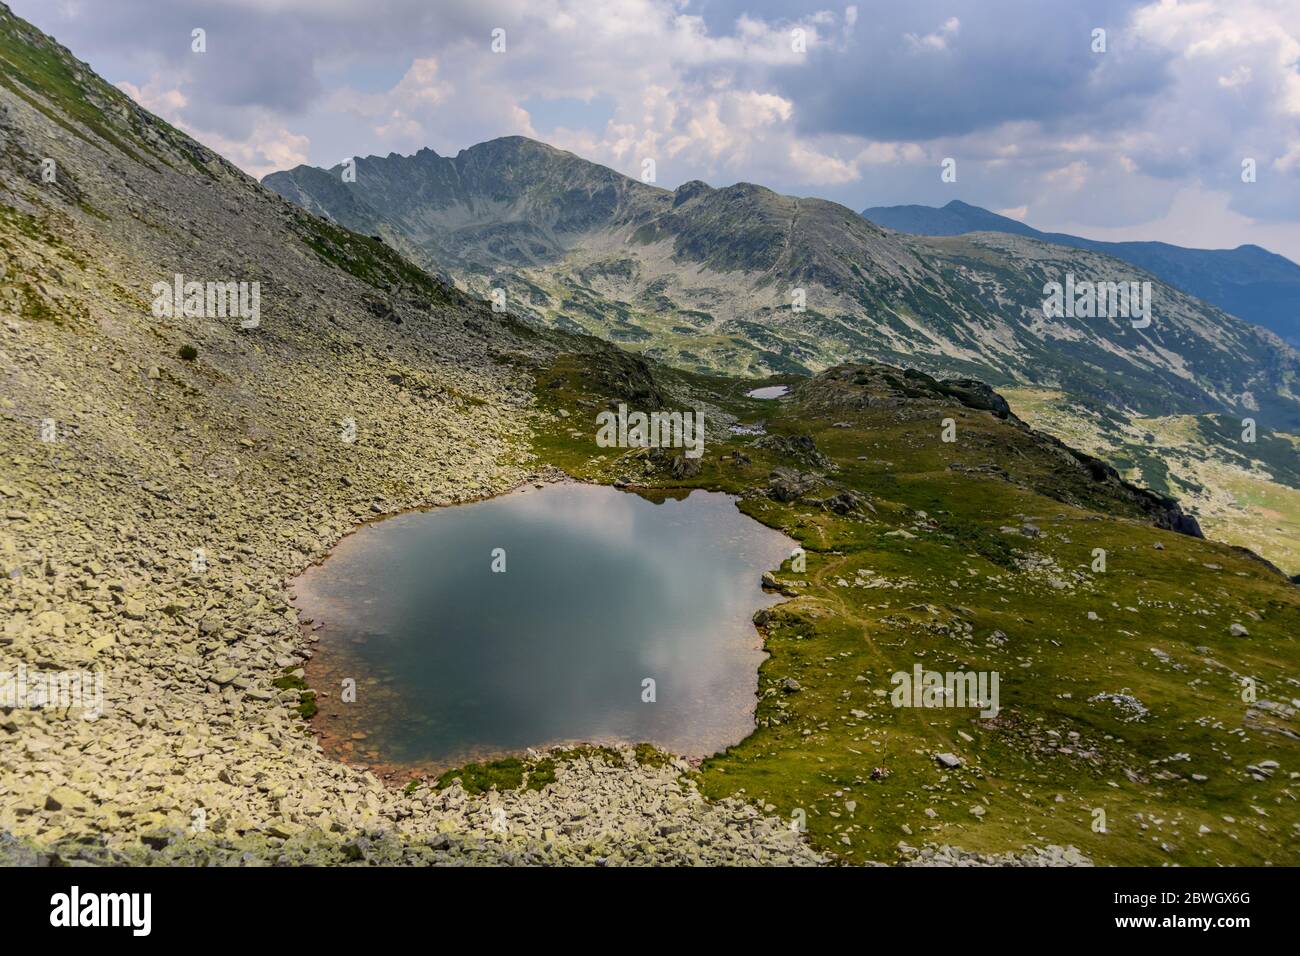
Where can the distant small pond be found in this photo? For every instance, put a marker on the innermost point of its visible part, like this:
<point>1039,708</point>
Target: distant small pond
<point>768,391</point>
<point>601,590</point>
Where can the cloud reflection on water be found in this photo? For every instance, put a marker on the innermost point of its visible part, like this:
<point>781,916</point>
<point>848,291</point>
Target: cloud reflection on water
<point>602,589</point>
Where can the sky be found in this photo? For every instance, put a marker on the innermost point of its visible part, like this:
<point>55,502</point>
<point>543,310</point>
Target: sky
<point>1138,134</point>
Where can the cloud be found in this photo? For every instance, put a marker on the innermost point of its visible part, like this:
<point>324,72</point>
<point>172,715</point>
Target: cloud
<point>167,103</point>
<point>1198,218</point>
<point>400,115</point>
<point>270,147</point>
<point>936,41</point>
<point>862,110</point>
<point>819,168</point>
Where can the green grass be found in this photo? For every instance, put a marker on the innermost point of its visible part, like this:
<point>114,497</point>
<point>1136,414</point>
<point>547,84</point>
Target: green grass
<point>307,704</point>
<point>513,773</point>
<point>306,696</point>
<point>476,778</point>
<point>33,307</point>
<point>369,260</point>
<point>957,580</point>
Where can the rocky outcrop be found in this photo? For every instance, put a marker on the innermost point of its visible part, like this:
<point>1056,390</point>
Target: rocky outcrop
<point>788,484</point>
<point>848,387</point>
<point>626,378</point>
<point>1163,511</point>
<point>800,449</point>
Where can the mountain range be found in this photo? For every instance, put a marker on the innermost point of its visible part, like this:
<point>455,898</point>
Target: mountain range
<point>712,279</point>
<point>168,473</point>
<point>746,280</point>
<point>1249,282</point>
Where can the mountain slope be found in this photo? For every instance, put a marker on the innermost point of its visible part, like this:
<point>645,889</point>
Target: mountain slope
<point>166,474</point>
<point>1249,282</point>
<point>705,278</point>
<point>163,475</point>
<point>954,219</point>
<point>509,201</point>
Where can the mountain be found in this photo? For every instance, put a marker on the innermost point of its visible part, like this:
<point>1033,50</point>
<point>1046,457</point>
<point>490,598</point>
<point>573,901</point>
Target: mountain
<point>1248,282</point>
<point>506,202</point>
<point>706,278</point>
<point>955,219</point>
<point>169,467</point>
<point>165,472</point>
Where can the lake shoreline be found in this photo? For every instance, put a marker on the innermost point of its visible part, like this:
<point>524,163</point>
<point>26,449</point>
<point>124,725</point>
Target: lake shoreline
<point>346,732</point>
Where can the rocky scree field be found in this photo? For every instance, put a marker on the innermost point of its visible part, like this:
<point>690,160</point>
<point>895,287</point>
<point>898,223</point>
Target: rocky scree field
<point>182,439</point>
<point>195,466</point>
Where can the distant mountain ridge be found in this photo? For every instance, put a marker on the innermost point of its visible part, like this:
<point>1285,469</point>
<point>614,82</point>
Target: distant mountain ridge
<point>196,467</point>
<point>1249,282</point>
<point>510,200</point>
<point>743,280</point>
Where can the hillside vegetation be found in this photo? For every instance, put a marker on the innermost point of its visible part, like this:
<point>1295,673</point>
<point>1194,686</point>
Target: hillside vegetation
<point>1160,691</point>
<point>166,475</point>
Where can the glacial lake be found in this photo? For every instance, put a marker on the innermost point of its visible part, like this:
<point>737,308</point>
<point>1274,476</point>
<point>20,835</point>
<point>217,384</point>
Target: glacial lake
<point>602,590</point>
<point>769,392</point>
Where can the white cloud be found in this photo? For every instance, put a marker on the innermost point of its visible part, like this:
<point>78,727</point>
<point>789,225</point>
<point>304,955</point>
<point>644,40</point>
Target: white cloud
<point>167,103</point>
<point>818,168</point>
<point>1072,176</point>
<point>881,154</point>
<point>268,148</point>
<point>1239,76</point>
<point>399,116</point>
<point>936,41</point>
<point>1187,89</point>
<point>679,93</point>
